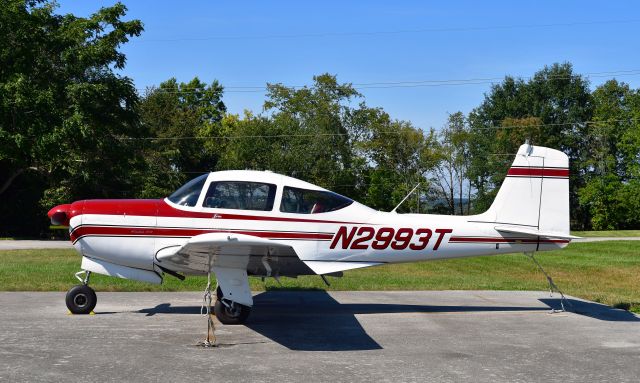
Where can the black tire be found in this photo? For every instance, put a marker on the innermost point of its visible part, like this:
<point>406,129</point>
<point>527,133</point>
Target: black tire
<point>219,293</point>
<point>81,299</point>
<point>238,314</point>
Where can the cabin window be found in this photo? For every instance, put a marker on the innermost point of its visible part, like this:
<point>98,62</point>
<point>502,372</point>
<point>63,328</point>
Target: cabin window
<point>303,201</point>
<point>240,195</point>
<point>188,194</point>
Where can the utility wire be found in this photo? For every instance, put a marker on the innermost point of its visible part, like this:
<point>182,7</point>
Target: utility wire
<point>294,135</point>
<point>392,32</point>
<point>394,84</point>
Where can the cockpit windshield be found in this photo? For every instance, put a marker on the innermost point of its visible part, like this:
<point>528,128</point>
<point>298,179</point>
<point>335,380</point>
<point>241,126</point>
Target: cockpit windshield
<point>188,194</point>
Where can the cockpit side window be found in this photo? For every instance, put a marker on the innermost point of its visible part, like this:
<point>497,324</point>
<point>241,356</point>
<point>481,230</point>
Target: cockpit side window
<point>240,195</point>
<point>188,194</point>
<point>303,201</point>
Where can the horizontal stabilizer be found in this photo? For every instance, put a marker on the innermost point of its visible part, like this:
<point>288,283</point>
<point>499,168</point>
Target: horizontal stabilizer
<point>328,267</point>
<point>534,232</point>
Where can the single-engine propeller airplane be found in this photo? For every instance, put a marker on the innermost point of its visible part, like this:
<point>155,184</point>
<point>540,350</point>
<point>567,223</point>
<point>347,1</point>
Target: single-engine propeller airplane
<point>237,224</point>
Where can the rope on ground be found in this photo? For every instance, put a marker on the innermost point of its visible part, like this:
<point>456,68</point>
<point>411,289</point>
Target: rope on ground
<point>552,285</point>
<point>205,309</point>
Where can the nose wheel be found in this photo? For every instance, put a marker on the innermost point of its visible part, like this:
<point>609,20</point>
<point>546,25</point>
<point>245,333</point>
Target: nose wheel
<point>81,299</point>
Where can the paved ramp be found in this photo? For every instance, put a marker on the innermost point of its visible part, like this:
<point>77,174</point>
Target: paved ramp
<point>446,336</point>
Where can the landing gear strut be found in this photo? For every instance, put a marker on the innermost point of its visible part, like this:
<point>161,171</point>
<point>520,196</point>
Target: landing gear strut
<point>81,299</point>
<point>229,312</point>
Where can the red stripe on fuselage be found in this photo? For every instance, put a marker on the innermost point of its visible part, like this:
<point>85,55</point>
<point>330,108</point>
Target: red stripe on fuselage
<point>504,240</point>
<point>538,172</point>
<point>152,208</point>
<point>185,232</point>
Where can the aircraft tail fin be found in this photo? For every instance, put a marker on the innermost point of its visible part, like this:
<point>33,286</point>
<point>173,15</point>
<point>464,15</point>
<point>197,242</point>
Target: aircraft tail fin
<point>534,197</point>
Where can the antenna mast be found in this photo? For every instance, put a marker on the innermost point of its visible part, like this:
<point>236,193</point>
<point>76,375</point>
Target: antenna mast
<point>405,198</point>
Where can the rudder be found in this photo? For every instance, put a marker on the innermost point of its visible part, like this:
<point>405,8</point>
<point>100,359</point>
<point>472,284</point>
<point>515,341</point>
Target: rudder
<point>535,192</point>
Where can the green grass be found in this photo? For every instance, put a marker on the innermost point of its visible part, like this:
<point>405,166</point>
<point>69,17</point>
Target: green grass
<point>607,272</point>
<point>607,233</point>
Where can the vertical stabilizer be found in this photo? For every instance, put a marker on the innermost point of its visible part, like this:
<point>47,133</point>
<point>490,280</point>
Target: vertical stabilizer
<point>535,192</point>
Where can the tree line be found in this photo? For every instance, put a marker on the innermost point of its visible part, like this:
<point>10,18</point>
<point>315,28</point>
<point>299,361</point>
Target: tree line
<point>72,127</point>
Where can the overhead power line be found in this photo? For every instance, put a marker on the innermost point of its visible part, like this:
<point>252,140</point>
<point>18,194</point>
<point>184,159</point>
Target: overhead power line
<point>391,32</point>
<point>397,84</point>
<point>297,135</point>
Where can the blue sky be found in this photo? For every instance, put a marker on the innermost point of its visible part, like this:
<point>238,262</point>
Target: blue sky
<point>242,44</point>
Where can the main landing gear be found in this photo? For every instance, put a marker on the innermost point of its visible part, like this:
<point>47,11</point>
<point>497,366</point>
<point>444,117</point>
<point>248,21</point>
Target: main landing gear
<point>81,299</point>
<point>229,312</point>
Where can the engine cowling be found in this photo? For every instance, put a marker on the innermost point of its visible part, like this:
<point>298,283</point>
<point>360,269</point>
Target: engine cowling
<point>59,215</point>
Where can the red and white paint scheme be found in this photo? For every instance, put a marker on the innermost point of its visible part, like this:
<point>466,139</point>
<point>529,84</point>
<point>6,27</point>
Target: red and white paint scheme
<point>237,224</point>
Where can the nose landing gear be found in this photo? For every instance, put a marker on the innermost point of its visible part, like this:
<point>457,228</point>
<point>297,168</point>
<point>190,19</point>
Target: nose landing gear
<point>81,299</point>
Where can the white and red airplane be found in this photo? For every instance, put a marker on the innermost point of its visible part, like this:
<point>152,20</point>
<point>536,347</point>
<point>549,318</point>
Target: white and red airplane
<point>237,224</point>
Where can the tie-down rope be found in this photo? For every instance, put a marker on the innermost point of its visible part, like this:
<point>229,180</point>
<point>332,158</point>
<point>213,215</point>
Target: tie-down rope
<point>552,285</point>
<point>205,309</point>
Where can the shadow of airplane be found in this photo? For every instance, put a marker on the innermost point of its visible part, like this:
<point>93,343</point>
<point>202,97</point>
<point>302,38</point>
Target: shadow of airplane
<point>314,321</point>
<point>592,310</point>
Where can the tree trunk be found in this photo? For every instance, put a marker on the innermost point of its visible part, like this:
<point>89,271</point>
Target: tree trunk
<point>460,181</point>
<point>10,180</point>
<point>469,198</point>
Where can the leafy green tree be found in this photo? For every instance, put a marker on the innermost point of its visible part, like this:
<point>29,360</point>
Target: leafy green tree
<point>612,169</point>
<point>180,117</point>
<point>549,109</point>
<point>315,134</point>
<point>451,182</point>
<point>307,133</point>
<point>320,130</point>
<point>256,142</point>
<point>63,107</point>
<point>400,156</point>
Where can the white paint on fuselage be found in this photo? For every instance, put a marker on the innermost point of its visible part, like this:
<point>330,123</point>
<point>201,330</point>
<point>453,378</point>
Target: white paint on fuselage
<point>138,250</point>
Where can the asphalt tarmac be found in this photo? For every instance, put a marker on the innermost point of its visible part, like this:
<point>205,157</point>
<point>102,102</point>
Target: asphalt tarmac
<point>314,336</point>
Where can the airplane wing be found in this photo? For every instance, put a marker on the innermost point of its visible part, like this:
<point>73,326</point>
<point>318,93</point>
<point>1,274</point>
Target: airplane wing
<point>533,232</point>
<point>230,255</point>
<point>227,255</point>
<point>202,252</point>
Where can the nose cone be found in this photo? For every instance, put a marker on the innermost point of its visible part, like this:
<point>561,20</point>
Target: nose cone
<point>59,215</point>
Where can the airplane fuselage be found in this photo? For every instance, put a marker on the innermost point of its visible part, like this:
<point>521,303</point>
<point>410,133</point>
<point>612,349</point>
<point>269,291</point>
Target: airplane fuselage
<point>237,224</point>
<point>131,232</point>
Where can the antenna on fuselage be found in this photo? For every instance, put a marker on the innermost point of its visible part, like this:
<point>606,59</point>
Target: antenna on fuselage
<point>405,198</point>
